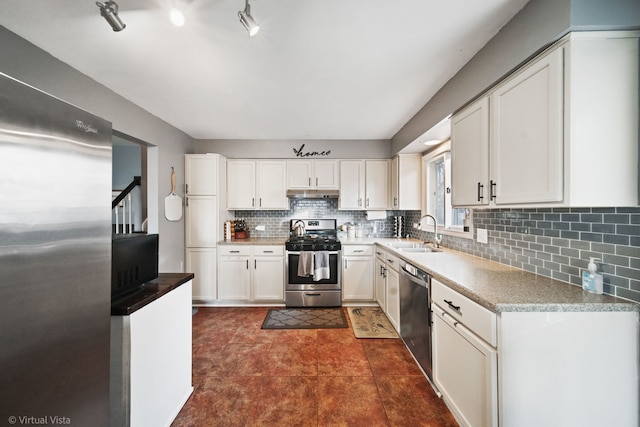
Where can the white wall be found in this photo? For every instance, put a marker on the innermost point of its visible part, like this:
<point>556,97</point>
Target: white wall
<point>28,63</point>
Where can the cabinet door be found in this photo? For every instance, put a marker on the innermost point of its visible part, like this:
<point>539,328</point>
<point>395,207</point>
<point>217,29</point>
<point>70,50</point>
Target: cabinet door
<point>394,196</point>
<point>234,278</point>
<point>457,353</point>
<point>405,180</point>
<point>272,185</point>
<point>357,278</point>
<point>201,174</point>
<point>379,273</point>
<point>470,155</point>
<point>200,221</point>
<point>299,174</point>
<point>326,173</point>
<point>527,134</point>
<point>393,298</point>
<point>241,184</point>
<point>202,263</point>
<point>351,184</point>
<point>377,184</point>
<point>268,278</point>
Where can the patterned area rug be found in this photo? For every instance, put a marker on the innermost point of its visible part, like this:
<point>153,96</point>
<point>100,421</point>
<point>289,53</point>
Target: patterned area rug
<point>305,318</point>
<point>371,322</point>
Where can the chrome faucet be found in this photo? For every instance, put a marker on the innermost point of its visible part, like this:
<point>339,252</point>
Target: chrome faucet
<point>436,238</point>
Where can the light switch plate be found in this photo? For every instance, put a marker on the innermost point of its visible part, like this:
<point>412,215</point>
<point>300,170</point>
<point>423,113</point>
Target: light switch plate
<point>483,235</point>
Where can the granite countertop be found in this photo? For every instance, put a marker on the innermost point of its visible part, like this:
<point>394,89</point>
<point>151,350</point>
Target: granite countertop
<point>501,288</point>
<point>149,292</point>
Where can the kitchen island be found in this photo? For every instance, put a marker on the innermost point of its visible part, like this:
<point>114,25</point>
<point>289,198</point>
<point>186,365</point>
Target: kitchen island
<point>150,371</point>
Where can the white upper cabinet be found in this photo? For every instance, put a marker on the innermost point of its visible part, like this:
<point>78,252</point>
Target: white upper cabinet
<point>312,174</point>
<point>376,184</point>
<point>526,134</point>
<point>271,185</point>
<point>241,184</point>
<point>553,128</point>
<point>257,184</point>
<point>201,174</point>
<point>364,184</point>
<point>405,182</point>
<point>352,184</point>
<point>470,155</point>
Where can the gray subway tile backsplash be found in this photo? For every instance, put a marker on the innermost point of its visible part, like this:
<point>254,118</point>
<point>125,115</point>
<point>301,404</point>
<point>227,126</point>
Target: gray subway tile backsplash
<point>552,242</point>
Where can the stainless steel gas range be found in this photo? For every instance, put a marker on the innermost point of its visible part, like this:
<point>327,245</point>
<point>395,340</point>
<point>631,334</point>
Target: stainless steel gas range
<point>313,264</point>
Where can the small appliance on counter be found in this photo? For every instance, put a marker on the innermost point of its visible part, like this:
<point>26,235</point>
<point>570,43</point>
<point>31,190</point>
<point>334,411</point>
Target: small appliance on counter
<point>236,230</point>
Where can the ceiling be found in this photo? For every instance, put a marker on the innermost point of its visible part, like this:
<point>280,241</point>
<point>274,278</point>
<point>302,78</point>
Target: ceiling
<point>318,69</point>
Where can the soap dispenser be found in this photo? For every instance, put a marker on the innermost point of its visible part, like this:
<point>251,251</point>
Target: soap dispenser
<point>592,278</point>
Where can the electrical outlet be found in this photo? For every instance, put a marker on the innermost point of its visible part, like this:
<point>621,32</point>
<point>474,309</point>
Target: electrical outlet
<point>416,225</point>
<point>260,228</point>
<point>483,235</point>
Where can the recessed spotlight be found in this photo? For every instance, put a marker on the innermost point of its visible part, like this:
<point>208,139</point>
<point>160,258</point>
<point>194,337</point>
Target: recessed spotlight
<point>430,142</point>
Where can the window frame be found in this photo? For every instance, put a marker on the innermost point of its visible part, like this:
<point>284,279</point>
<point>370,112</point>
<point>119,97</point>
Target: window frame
<point>441,151</point>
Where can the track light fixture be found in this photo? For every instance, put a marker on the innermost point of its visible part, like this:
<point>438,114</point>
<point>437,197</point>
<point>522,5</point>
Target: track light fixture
<point>247,20</point>
<point>109,11</point>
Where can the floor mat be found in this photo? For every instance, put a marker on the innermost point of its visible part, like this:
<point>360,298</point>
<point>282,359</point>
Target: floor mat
<point>371,322</point>
<point>305,318</point>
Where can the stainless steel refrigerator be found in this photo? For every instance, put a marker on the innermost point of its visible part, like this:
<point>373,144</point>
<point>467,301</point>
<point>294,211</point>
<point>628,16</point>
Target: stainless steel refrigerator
<point>55,255</point>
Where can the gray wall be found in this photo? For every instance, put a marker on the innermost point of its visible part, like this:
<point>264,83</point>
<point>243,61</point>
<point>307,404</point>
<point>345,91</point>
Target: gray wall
<point>283,149</point>
<point>28,63</point>
<point>538,24</point>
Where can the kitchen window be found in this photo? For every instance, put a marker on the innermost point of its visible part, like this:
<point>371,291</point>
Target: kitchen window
<point>437,200</point>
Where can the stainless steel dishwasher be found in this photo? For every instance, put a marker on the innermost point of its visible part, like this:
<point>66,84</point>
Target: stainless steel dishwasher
<point>415,315</point>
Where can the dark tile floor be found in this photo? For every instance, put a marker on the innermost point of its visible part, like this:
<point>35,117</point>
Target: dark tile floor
<point>246,376</point>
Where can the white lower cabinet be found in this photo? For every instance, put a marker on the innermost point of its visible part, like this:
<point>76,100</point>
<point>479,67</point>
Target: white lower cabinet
<point>380,279</point>
<point>533,368</point>
<point>464,365</point>
<point>357,273</point>
<point>251,273</point>
<point>387,285</point>
<point>202,263</point>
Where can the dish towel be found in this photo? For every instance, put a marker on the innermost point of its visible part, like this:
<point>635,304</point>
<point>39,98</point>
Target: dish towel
<point>305,264</point>
<point>322,269</point>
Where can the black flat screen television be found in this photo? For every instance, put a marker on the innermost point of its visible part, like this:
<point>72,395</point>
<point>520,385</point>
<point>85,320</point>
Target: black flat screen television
<point>134,262</point>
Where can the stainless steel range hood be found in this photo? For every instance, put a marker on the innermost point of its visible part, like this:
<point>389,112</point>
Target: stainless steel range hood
<point>312,194</point>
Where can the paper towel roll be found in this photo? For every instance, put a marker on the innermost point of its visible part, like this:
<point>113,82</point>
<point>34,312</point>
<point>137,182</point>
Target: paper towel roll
<point>373,215</point>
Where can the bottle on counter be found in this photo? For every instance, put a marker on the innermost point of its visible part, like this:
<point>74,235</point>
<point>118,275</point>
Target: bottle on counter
<point>592,277</point>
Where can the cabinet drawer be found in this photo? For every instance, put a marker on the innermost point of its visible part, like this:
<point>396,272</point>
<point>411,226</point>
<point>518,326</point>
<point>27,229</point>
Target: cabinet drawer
<point>363,250</point>
<point>478,319</point>
<point>234,250</point>
<point>268,250</point>
<point>392,261</point>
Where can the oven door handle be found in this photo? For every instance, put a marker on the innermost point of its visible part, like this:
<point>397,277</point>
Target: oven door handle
<point>298,252</point>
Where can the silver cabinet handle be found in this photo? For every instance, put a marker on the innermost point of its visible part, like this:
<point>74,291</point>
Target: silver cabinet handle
<point>358,251</point>
<point>247,264</point>
<point>234,252</point>
<point>316,181</point>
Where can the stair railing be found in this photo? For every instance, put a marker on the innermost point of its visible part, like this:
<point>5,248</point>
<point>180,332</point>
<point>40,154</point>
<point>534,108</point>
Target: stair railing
<point>120,204</point>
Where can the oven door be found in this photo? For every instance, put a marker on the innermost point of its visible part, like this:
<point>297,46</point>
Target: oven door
<point>303,283</point>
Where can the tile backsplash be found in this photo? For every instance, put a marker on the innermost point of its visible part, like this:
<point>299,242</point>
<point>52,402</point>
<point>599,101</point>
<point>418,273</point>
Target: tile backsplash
<point>552,242</point>
<point>557,243</point>
<point>277,222</point>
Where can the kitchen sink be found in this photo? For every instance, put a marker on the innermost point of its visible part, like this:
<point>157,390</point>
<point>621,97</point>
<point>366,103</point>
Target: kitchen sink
<point>414,247</point>
<point>423,249</point>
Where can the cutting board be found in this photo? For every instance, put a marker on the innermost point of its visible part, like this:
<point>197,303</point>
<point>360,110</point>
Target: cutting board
<point>173,202</point>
